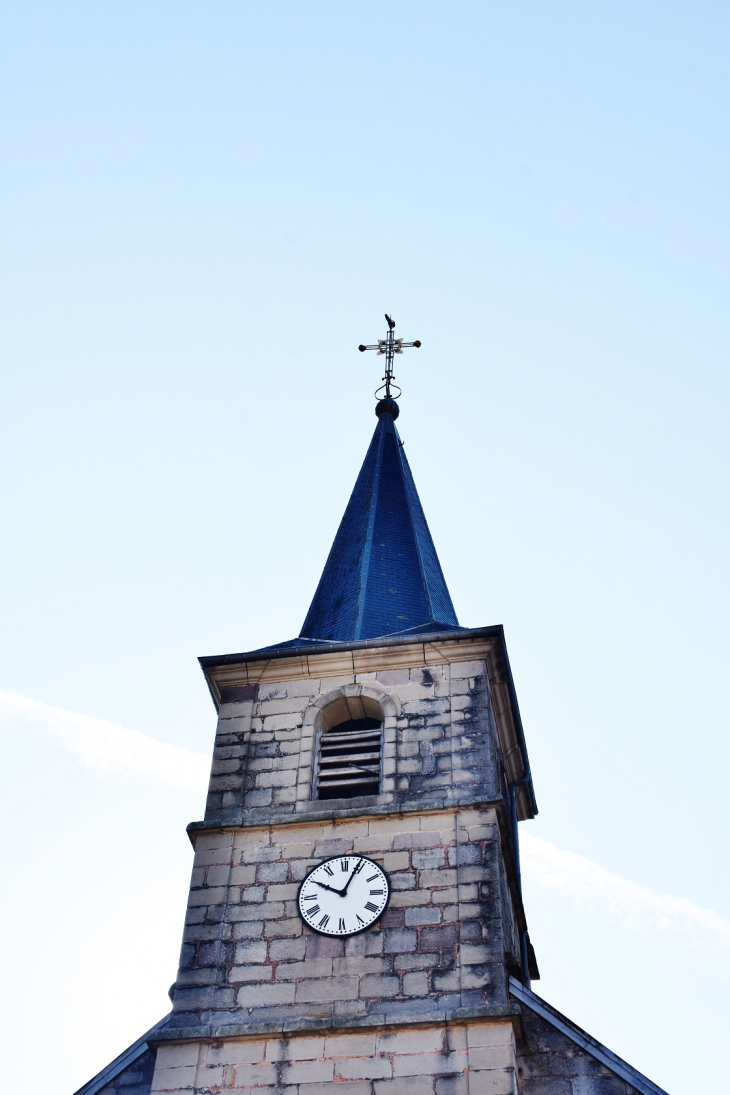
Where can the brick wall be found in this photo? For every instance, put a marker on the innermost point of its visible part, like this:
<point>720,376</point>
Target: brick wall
<point>440,740</point>
<point>468,1059</point>
<point>247,957</point>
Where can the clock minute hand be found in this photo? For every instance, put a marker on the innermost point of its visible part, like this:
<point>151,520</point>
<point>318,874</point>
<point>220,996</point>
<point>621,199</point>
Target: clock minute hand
<point>358,868</point>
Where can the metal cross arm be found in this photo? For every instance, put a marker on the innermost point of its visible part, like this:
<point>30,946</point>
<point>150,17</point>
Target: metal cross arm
<point>382,346</point>
<point>390,345</point>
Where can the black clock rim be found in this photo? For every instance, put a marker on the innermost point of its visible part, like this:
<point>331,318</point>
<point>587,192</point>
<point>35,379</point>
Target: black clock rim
<point>331,859</point>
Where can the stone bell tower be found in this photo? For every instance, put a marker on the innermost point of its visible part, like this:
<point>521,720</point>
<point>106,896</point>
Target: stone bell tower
<point>389,735</point>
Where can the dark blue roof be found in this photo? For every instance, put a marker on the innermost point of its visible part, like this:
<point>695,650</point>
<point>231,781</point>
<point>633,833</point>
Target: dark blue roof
<point>382,576</point>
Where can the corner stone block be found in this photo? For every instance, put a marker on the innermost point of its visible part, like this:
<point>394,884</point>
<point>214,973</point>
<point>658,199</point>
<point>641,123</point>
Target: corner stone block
<point>249,973</point>
<point>218,875</point>
<point>210,896</point>
<point>491,1057</point>
<point>493,1082</point>
<point>459,670</point>
<point>474,954</point>
<point>209,856</point>
<point>490,1034</point>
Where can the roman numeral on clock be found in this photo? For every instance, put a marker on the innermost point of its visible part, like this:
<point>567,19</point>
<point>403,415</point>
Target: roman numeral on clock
<point>324,921</point>
<point>309,897</point>
<point>341,926</point>
<point>328,869</point>
<point>314,909</point>
<point>372,876</point>
<point>360,920</point>
<point>374,892</point>
<point>344,864</point>
<point>369,905</point>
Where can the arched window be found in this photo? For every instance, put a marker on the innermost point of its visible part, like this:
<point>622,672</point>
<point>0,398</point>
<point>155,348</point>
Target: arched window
<point>349,757</point>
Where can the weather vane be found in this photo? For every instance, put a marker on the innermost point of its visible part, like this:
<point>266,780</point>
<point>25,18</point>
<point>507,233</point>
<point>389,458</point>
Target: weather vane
<point>390,345</point>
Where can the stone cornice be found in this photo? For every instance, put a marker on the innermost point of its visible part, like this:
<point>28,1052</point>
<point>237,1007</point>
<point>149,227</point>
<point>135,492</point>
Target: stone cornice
<point>304,1024</point>
<point>267,818</point>
<point>347,659</point>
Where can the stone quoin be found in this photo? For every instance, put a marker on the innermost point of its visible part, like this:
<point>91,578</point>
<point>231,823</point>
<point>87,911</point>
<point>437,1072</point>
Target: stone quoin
<point>387,731</point>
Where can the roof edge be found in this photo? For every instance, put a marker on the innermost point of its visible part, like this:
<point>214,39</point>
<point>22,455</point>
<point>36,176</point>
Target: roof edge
<point>601,1053</point>
<point>326,646</point>
<point>124,1060</point>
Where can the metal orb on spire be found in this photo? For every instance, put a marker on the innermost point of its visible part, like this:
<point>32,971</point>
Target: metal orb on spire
<point>389,346</point>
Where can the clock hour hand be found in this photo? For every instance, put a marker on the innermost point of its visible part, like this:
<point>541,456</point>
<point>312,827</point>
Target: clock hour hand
<point>331,888</point>
<point>358,868</point>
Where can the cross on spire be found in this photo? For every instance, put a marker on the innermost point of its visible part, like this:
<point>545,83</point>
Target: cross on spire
<point>390,345</point>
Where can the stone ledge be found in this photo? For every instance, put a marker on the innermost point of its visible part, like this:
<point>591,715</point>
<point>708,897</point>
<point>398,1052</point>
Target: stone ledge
<point>207,1033</point>
<point>265,817</point>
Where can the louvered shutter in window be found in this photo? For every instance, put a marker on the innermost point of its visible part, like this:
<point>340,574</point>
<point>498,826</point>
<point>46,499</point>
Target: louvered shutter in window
<point>349,759</point>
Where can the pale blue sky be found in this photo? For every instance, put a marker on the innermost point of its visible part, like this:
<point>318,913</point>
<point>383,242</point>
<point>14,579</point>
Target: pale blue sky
<point>206,207</point>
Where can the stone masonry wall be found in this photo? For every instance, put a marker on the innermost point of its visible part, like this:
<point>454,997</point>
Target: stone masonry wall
<point>469,1059</point>
<point>440,739</point>
<point>247,957</point>
<point>134,1080</point>
<point>550,1063</point>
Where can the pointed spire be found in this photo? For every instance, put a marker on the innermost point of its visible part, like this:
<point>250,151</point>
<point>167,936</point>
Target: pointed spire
<point>382,576</point>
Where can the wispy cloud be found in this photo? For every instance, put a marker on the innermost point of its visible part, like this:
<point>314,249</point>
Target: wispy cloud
<point>592,887</point>
<point>105,747</point>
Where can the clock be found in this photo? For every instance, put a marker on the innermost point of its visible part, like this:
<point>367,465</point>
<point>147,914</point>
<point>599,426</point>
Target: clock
<point>343,895</point>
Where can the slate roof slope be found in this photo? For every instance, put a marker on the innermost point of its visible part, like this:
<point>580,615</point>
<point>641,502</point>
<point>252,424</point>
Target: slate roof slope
<point>382,576</point>
<point>556,1055</point>
<point>130,1072</point>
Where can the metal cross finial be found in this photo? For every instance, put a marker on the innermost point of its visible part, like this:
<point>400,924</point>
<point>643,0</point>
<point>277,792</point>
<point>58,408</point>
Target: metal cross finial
<point>390,345</point>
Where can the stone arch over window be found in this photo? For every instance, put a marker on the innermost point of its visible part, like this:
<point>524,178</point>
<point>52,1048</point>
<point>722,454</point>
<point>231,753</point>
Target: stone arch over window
<point>348,746</point>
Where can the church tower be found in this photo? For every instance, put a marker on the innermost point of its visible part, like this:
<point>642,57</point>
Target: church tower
<point>355,914</point>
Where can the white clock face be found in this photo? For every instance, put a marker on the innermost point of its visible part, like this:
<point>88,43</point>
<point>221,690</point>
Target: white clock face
<point>343,895</point>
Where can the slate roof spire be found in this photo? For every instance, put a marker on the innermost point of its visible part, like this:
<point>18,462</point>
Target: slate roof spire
<point>382,576</point>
